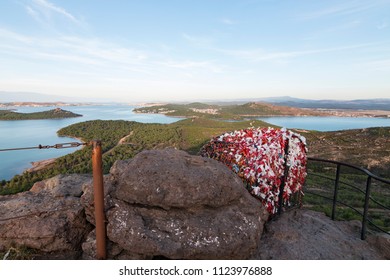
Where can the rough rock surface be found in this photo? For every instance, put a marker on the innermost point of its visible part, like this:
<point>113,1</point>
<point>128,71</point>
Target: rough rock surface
<point>88,202</point>
<point>381,242</point>
<point>307,235</point>
<point>49,218</point>
<point>166,203</point>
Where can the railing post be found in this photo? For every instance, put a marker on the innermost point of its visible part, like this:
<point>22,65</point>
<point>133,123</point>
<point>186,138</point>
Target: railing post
<point>336,189</point>
<point>98,188</point>
<point>366,203</point>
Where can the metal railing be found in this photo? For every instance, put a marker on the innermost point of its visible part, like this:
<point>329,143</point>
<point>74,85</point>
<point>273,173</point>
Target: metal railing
<point>369,177</point>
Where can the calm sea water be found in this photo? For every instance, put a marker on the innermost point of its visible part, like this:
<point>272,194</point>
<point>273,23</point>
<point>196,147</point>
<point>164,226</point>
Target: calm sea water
<point>31,133</point>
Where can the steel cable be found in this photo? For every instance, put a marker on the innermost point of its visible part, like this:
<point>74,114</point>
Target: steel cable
<point>55,146</point>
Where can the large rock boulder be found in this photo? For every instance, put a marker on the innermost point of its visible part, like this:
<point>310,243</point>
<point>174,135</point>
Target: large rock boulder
<point>168,204</point>
<point>306,235</point>
<point>49,218</point>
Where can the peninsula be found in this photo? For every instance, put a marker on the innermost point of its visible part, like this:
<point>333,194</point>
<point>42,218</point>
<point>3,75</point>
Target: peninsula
<point>228,112</point>
<point>58,113</point>
<point>253,110</point>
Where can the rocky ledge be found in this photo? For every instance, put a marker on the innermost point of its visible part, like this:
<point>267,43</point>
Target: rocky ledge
<point>168,204</point>
<point>160,204</point>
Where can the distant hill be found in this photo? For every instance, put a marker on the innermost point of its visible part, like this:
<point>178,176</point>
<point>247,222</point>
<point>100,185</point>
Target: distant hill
<point>367,147</point>
<point>358,104</point>
<point>51,114</point>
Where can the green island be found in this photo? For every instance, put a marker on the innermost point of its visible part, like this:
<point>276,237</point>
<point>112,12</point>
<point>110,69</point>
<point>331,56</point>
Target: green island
<point>368,148</point>
<point>58,113</point>
<point>227,112</point>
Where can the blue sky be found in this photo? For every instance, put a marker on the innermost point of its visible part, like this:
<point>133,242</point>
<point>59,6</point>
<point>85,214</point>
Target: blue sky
<point>191,50</point>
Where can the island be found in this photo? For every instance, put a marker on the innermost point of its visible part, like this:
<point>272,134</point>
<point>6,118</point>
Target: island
<point>58,113</point>
<point>227,112</point>
<point>251,110</point>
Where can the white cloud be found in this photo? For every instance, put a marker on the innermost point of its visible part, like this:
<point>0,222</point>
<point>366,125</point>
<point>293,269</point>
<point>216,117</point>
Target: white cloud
<point>256,55</point>
<point>33,13</point>
<point>209,66</point>
<point>84,50</point>
<point>48,8</point>
<point>342,9</point>
<point>12,36</point>
<point>98,58</point>
<point>52,17</point>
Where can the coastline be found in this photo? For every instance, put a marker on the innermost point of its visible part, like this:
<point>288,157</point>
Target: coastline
<point>80,140</point>
<point>357,113</point>
<point>41,164</point>
<point>316,112</point>
<point>46,163</point>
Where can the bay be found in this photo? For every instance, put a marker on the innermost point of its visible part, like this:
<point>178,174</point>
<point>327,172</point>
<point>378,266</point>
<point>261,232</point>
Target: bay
<point>32,133</point>
<point>327,123</point>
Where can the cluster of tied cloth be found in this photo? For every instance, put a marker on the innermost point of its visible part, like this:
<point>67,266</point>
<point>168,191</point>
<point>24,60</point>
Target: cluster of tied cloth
<point>263,158</point>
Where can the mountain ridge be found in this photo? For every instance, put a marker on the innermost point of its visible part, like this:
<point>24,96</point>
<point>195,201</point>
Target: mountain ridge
<point>361,103</point>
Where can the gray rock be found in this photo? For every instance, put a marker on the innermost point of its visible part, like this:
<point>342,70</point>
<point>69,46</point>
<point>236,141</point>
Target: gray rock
<point>62,185</point>
<point>49,219</point>
<point>381,242</point>
<point>166,203</point>
<point>114,251</point>
<point>87,199</point>
<point>305,235</point>
<point>174,179</point>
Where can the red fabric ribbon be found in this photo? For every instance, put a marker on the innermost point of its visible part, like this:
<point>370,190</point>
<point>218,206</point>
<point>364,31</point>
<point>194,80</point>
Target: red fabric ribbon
<point>258,156</point>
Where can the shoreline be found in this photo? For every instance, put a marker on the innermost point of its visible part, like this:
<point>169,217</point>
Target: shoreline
<point>80,140</point>
<point>46,163</point>
<point>357,113</point>
<point>318,112</point>
<point>40,164</point>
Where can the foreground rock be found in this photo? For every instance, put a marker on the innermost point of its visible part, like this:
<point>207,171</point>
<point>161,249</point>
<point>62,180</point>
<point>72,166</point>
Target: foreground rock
<point>307,235</point>
<point>168,204</point>
<point>49,218</point>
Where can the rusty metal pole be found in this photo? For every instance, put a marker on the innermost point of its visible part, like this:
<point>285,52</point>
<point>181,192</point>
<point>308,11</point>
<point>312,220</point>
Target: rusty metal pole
<point>98,189</point>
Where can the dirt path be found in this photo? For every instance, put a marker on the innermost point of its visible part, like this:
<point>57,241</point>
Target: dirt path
<point>121,141</point>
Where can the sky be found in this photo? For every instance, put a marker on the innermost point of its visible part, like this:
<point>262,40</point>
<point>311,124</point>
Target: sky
<point>178,50</point>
